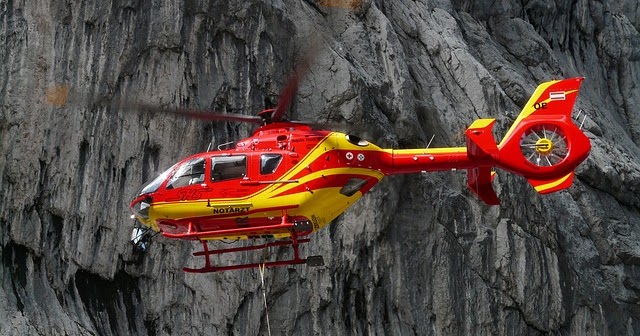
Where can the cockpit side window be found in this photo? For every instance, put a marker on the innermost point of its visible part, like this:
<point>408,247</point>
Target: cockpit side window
<point>269,163</point>
<point>228,167</point>
<point>192,172</point>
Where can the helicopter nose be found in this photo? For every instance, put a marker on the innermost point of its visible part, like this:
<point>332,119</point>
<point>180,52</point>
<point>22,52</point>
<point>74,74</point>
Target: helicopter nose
<point>140,206</point>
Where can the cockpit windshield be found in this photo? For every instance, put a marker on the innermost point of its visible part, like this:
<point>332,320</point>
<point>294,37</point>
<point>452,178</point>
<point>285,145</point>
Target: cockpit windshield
<point>155,184</point>
<point>189,173</point>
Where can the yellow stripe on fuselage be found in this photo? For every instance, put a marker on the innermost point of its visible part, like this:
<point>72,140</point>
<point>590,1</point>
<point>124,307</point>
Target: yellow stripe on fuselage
<point>328,172</point>
<point>427,151</point>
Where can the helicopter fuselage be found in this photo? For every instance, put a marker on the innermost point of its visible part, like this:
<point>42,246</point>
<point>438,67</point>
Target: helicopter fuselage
<point>283,169</point>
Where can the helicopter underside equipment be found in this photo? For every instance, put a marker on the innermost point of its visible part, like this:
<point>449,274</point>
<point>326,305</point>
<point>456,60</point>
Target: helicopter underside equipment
<point>293,228</point>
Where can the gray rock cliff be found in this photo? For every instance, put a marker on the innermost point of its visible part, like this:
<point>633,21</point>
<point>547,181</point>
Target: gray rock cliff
<point>418,255</point>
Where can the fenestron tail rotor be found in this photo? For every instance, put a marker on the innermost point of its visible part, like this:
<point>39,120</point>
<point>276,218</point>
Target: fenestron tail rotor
<point>544,145</point>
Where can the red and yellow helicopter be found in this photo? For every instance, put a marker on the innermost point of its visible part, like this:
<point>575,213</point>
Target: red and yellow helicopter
<point>287,180</point>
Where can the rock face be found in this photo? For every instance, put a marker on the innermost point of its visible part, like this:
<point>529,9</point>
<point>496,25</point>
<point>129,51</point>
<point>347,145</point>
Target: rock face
<point>419,255</point>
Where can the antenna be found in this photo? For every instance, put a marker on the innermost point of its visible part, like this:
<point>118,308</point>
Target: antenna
<point>584,118</point>
<point>429,144</point>
<point>224,144</point>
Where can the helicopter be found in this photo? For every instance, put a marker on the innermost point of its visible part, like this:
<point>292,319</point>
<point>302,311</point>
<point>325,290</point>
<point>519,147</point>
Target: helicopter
<point>288,180</point>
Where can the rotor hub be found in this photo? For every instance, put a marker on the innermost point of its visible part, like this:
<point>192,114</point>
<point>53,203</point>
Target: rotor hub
<point>544,146</point>
<point>266,115</point>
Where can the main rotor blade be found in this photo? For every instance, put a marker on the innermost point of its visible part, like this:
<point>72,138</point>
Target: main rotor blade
<point>197,114</point>
<point>59,95</point>
<point>287,94</point>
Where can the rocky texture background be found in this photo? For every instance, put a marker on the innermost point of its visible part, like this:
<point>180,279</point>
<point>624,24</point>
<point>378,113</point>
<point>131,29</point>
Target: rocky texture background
<point>419,255</point>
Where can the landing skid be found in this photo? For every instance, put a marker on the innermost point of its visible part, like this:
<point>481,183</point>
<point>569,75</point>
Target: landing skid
<point>296,260</point>
<point>292,228</point>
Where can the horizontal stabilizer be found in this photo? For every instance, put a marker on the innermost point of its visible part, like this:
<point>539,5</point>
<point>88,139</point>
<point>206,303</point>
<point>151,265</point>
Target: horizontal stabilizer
<point>549,186</point>
<point>480,140</point>
<point>479,181</point>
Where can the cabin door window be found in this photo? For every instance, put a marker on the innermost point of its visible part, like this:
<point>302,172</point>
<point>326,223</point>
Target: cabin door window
<point>269,163</point>
<point>228,167</point>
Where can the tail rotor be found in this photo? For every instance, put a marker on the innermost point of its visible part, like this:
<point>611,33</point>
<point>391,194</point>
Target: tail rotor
<point>544,145</point>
